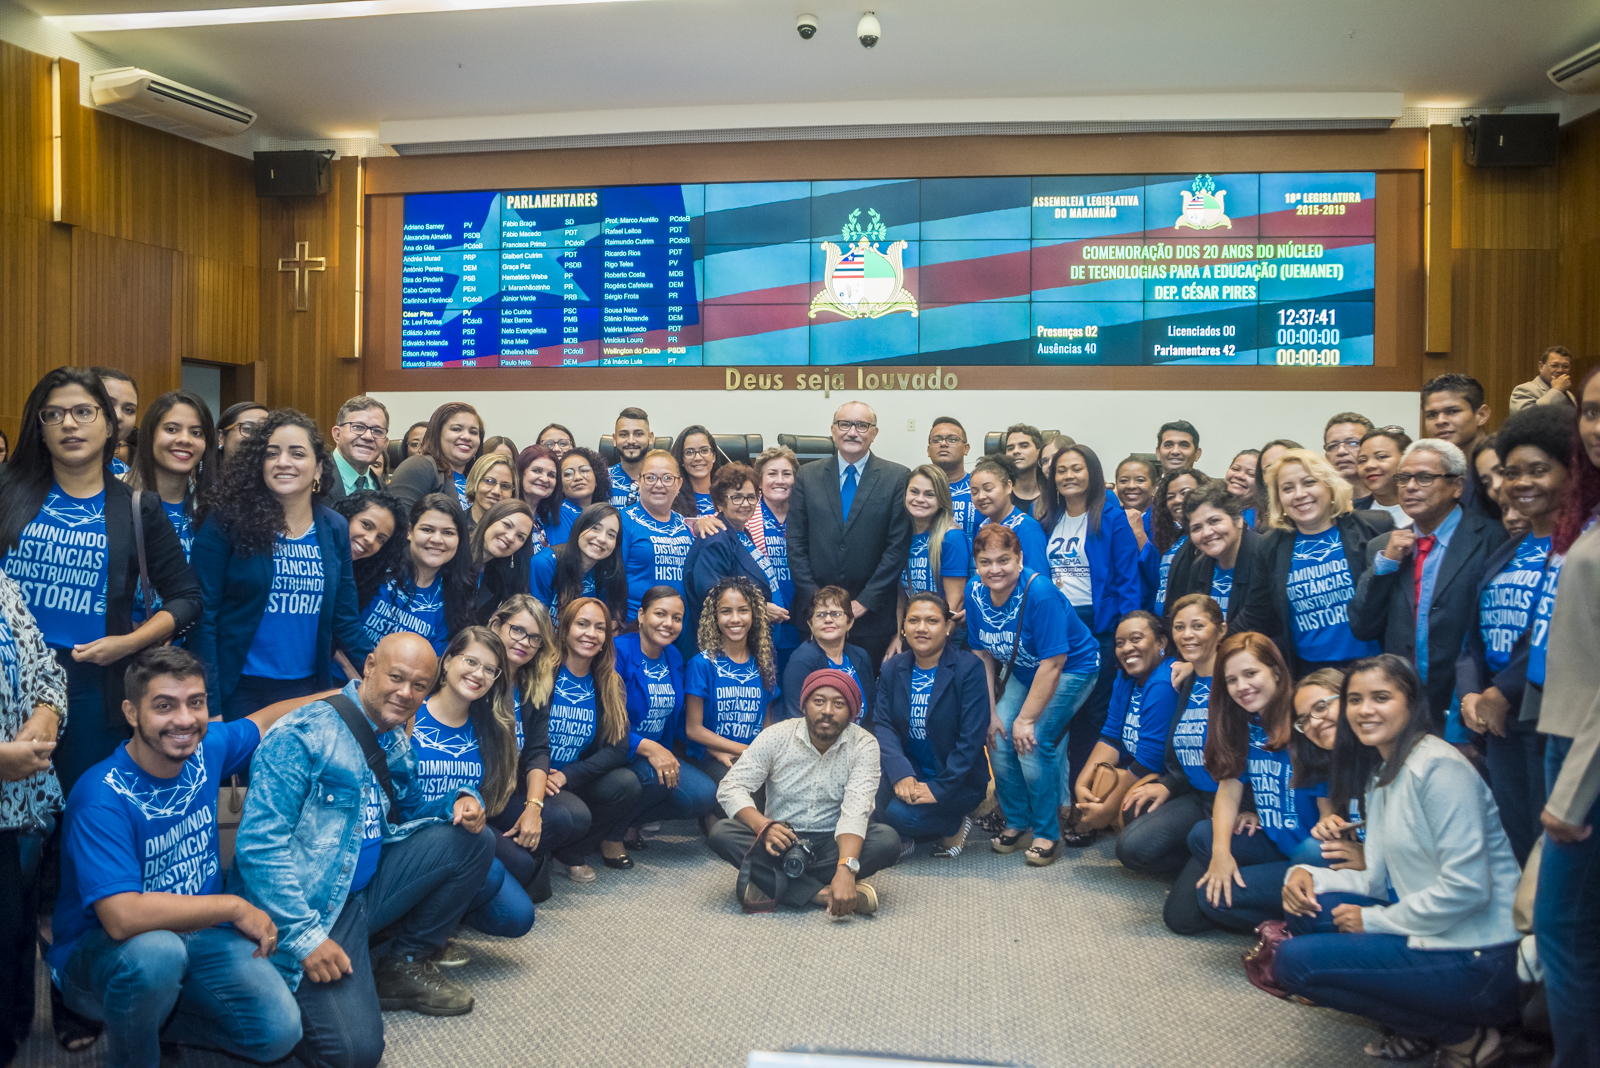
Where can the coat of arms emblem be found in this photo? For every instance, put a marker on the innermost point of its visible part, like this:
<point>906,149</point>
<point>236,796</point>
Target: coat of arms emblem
<point>1202,205</point>
<point>862,281</point>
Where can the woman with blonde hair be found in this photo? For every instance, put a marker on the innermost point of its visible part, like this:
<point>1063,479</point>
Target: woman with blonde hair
<point>491,479</point>
<point>1306,567</point>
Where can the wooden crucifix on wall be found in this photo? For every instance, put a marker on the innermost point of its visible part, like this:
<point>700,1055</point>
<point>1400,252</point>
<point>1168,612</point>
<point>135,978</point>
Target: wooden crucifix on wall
<point>302,264</point>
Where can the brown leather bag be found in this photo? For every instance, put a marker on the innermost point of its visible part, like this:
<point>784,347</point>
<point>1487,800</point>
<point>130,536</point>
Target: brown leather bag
<point>1105,785</point>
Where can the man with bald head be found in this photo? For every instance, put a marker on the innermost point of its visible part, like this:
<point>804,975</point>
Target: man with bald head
<point>848,527</point>
<point>338,842</point>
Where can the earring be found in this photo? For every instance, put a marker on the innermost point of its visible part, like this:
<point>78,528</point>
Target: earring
<point>316,485</point>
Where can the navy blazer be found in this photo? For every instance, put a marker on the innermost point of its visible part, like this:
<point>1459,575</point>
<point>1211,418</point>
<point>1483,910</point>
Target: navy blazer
<point>1192,571</point>
<point>958,720</point>
<point>1385,606</point>
<point>712,559</point>
<point>1266,602</point>
<point>809,657</point>
<point>236,589</point>
<point>1472,667</point>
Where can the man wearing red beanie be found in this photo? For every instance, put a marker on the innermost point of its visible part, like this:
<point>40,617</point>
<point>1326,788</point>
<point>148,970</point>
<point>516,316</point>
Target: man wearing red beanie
<point>815,842</point>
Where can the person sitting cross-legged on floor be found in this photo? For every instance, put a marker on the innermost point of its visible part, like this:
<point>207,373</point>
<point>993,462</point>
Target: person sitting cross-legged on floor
<point>932,716</point>
<point>815,839</point>
<point>334,852</point>
<point>145,938</point>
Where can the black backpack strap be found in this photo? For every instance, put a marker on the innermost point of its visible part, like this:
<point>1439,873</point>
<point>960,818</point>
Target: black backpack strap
<point>377,758</point>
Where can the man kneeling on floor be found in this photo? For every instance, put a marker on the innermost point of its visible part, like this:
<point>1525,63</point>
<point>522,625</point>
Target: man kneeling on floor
<point>145,938</point>
<point>337,842</point>
<point>821,777</point>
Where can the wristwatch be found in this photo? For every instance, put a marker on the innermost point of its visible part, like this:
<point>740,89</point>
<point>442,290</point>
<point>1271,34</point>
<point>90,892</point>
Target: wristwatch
<point>853,864</point>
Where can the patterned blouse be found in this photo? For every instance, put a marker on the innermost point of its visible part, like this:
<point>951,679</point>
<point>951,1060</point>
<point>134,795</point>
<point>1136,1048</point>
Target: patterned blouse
<point>29,676</point>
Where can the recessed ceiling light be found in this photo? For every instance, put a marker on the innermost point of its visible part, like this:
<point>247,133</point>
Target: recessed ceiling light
<point>339,9</point>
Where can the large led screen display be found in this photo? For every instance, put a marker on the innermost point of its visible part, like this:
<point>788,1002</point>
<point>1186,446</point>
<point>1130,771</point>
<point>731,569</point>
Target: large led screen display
<point>1210,269</point>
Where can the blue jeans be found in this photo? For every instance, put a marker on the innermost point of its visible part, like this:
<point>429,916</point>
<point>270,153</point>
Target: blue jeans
<point>693,797</point>
<point>501,907</point>
<point>1516,778</point>
<point>419,894</point>
<point>1566,923</point>
<point>1262,866</point>
<point>1029,787</point>
<point>938,820</point>
<point>217,995</point>
<point>1442,995</point>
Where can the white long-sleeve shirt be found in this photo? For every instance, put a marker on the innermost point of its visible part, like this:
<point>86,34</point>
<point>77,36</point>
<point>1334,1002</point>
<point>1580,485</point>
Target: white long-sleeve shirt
<point>815,793</point>
<point>1434,834</point>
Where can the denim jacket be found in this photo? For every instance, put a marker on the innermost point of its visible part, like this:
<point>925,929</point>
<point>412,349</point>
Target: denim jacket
<point>301,830</point>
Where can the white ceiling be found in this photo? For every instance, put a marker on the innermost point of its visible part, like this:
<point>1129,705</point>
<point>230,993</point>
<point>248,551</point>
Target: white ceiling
<point>336,78</point>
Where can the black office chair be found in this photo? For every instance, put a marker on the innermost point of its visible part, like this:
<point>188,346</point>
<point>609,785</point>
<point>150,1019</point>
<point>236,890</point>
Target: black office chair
<point>740,448</point>
<point>808,448</point>
<point>993,445</point>
<point>395,453</point>
<point>608,451</point>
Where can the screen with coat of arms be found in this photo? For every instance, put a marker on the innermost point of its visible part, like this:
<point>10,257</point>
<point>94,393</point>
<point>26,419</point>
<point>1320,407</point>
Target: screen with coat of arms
<point>1220,269</point>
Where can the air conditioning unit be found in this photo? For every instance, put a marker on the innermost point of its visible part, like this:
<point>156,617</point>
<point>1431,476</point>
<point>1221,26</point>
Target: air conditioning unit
<point>166,104</point>
<point>1579,73</point>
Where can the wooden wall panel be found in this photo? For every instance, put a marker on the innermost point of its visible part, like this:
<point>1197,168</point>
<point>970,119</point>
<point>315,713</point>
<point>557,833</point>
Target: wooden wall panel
<point>121,290</point>
<point>214,311</point>
<point>1577,323</point>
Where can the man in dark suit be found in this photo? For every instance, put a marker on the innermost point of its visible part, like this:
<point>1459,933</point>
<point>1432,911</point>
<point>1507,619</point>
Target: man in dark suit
<point>848,527</point>
<point>1436,563</point>
<point>359,435</point>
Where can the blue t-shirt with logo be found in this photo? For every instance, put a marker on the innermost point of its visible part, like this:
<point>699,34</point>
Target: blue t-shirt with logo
<point>1189,736</point>
<point>1221,585</point>
<point>447,757</point>
<point>371,837</point>
<point>1140,714</point>
<point>1507,604</point>
<point>704,505</point>
<point>1543,609</point>
<point>1320,588</point>
<point>955,561</point>
<point>1276,805</point>
<point>1049,628</point>
<point>918,748</point>
<point>542,581</point>
<point>776,535</point>
<point>562,529</point>
<point>183,526</point>
<point>734,697</point>
<point>285,645</point>
<point>461,492</point>
<point>653,552</point>
<point>655,691</point>
<point>127,831</point>
<point>624,490</point>
<point>118,468</point>
<point>1035,546</point>
<point>967,517</point>
<point>574,717</point>
<point>400,606</point>
<point>60,563</point>
<point>1165,570</point>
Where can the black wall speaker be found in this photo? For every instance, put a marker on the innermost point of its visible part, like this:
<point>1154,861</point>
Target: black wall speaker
<point>1512,140</point>
<point>294,174</point>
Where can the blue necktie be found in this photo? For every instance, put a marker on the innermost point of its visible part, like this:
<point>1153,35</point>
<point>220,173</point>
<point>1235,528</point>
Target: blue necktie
<point>847,492</point>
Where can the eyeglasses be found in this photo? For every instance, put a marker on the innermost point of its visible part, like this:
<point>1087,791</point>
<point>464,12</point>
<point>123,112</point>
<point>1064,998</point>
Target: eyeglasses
<point>245,429</point>
<point>556,443</point>
<point>362,430</point>
<point>81,413</point>
<point>853,424</point>
<point>1319,709</point>
<point>695,454</point>
<point>472,663</point>
<point>521,635</point>
<point>742,498</point>
<point>1421,478</point>
<point>1341,445</point>
<point>659,480</point>
<point>490,482</point>
<point>946,439</point>
<point>828,616</point>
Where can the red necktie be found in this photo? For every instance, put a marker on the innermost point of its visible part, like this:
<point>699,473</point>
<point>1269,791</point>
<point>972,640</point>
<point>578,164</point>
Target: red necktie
<point>1423,546</point>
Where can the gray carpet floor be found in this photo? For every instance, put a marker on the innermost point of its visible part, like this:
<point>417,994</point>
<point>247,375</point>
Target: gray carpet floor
<point>980,958</point>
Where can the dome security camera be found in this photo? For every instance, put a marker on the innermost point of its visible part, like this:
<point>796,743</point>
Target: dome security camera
<point>806,27</point>
<point>868,31</point>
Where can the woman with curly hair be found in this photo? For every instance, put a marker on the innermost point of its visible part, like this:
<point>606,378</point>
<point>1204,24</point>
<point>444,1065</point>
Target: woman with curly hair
<point>430,589</point>
<point>732,683</point>
<point>275,572</point>
<point>732,551</point>
<point>1168,533</point>
<point>449,448</point>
